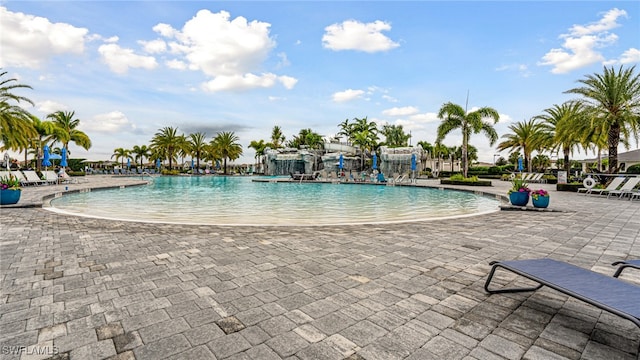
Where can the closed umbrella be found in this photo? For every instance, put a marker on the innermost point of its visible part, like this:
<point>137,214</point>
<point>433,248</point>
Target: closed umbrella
<point>192,164</point>
<point>45,157</point>
<point>341,162</point>
<point>158,163</point>
<point>63,158</point>
<point>413,162</point>
<point>128,163</point>
<point>520,168</point>
<point>375,160</point>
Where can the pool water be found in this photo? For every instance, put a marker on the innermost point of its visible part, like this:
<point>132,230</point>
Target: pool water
<point>235,200</point>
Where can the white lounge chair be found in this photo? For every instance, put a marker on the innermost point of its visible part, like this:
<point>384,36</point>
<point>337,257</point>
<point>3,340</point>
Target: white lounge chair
<point>613,185</point>
<point>50,176</point>
<point>627,188</point>
<point>33,178</point>
<point>20,176</point>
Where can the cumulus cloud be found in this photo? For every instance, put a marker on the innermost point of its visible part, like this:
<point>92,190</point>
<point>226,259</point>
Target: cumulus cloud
<point>354,35</point>
<point>112,122</point>
<point>154,46</point>
<point>29,41</point>
<point>581,44</point>
<point>630,56</point>
<point>347,95</point>
<point>120,60</point>
<point>228,50</point>
<point>400,111</point>
<point>50,106</point>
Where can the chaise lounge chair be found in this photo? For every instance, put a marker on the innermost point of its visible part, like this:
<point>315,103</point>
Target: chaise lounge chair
<point>613,185</point>
<point>625,264</point>
<point>627,188</point>
<point>607,293</point>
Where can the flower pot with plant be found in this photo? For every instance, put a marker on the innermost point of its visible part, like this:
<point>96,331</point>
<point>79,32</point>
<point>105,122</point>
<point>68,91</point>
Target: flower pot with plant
<point>540,198</point>
<point>519,192</point>
<point>9,190</point>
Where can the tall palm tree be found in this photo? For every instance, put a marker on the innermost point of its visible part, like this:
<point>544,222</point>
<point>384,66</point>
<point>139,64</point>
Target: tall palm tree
<point>197,146</point>
<point>277,138</point>
<point>168,142</point>
<point>364,134</point>
<point>227,146</point>
<point>15,122</point>
<point>346,129</point>
<point>140,152</point>
<point>455,117</point>
<point>68,130</point>
<point>121,154</point>
<point>526,136</point>
<point>559,124</point>
<point>45,132</point>
<point>259,147</point>
<point>615,95</point>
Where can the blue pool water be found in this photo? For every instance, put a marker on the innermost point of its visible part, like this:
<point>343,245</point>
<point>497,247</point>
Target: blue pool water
<point>219,200</point>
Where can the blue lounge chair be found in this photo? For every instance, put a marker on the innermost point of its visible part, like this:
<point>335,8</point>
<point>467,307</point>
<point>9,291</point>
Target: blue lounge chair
<point>625,264</point>
<point>607,293</point>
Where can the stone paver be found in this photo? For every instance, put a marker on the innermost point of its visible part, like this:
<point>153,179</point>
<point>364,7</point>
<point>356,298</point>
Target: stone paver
<point>100,289</point>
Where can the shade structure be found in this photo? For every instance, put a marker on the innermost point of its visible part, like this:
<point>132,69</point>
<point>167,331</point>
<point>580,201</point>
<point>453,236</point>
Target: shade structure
<point>45,157</point>
<point>374,161</point>
<point>158,163</point>
<point>341,162</point>
<point>63,158</point>
<point>520,164</point>
<point>413,162</point>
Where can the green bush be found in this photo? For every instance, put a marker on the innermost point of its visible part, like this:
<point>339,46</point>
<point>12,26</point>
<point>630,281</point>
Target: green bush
<point>634,169</point>
<point>495,170</point>
<point>170,172</point>
<point>76,173</point>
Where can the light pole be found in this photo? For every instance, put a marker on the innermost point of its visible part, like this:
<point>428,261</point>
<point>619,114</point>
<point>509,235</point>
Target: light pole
<point>494,158</point>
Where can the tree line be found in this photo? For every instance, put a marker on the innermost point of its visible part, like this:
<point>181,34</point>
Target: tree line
<point>606,114</point>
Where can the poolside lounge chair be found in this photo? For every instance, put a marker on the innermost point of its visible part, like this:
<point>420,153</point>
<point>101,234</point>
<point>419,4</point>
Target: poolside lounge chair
<point>50,176</point>
<point>607,293</point>
<point>627,188</point>
<point>625,264</point>
<point>613,185</point>
<point>33,178</point>
<point>537,177</point>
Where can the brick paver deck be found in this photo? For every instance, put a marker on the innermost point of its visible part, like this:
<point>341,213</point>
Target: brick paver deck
<point>82,288</point>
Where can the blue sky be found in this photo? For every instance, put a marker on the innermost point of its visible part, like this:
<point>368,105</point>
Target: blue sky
<point>128,69</point>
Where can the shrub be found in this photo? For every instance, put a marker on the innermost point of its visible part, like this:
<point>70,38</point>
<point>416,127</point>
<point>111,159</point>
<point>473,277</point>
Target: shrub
<point>634,169</point>
<point>495,170</point>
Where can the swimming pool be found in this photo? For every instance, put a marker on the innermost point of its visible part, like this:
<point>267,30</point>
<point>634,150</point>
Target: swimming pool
<point>235,200</point>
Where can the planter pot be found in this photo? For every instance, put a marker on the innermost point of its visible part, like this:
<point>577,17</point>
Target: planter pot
<point>519,198</point>
<point>541,202</point>
<point>8,196</point>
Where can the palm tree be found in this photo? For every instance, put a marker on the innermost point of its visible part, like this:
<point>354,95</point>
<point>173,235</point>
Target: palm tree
<point>455,117</point>
<point>259,147</point>
<point>395,136</point>
<point>121,154</point>
<point>616,98</point>
<point>197,146</point>
<point>68,132</point>
<point>364,134</point>
<point>277,138</point>
<point>140,152</point>
<point>15,122</point>
<point>559,124</point>
<point>346,129</point>
<point>167,141</point>
<point>526,136</point>
<point>45,132</point>
<point>227,146</point>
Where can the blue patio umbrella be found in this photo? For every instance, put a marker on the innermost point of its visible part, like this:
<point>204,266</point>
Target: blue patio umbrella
<point>63,158</point>
<point>192,163</point>
<point>374,161</point>
<point>413,162</point>
<point>45,157</point>
<point>520,164</point>
<point>341,162</point>
<point>158,163</point>
<point>128,163</point>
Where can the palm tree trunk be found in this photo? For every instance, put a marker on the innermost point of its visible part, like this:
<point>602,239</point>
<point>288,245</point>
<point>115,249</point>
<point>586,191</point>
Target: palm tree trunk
<point>567,164</point>
<point>614,140</point>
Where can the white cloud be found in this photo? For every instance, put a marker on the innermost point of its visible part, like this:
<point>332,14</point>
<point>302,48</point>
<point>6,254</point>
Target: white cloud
<point>246,82</point>
<point>112,122</point>
<point>347,95</point>
<point>630,56</point>
<point>28,41</point>
<point>176,64</point>
<point>354,35</point>
<point>50,106</point>
<point>400,111</point>
<point>120,59</point>
<point>154,46</point>
<point>580,45</point>
<point>389,98</point>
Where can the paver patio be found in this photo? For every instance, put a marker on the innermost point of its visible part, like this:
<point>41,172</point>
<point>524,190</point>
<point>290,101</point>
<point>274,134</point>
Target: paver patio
<point>82,288</point>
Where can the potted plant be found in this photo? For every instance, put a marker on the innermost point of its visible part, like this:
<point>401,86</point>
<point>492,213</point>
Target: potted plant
<point>540,198</point>
<point>9,190</point>
<point>519,192</point>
